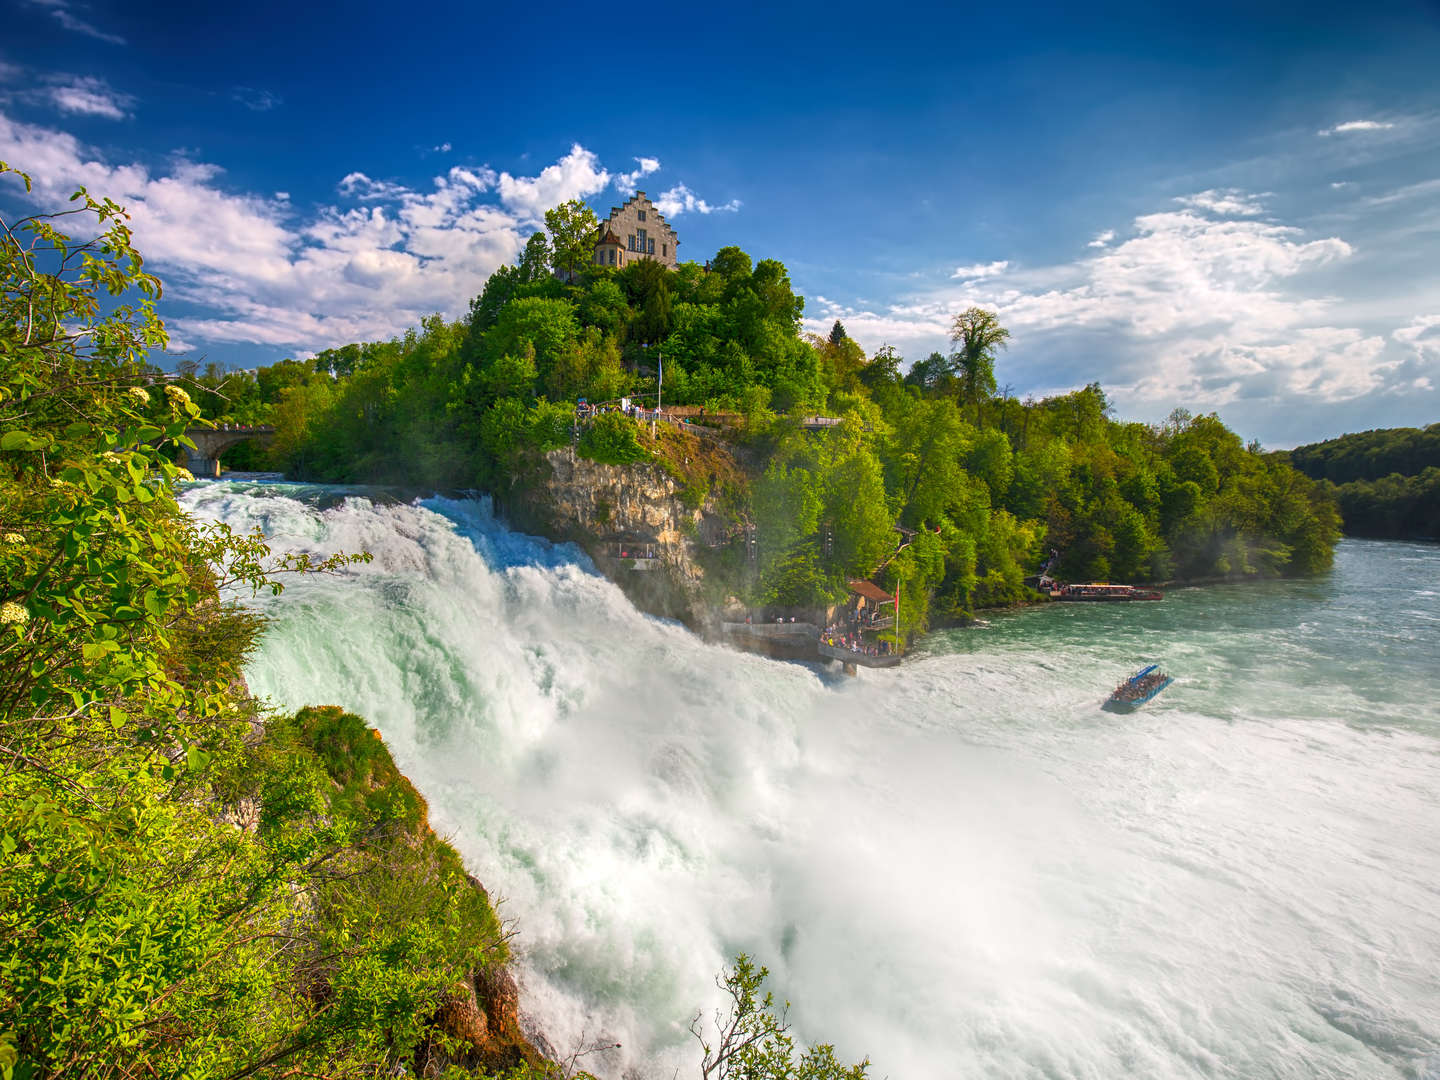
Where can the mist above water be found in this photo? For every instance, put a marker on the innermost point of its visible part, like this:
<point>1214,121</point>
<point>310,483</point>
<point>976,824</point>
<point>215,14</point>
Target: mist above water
<point>960,867</point>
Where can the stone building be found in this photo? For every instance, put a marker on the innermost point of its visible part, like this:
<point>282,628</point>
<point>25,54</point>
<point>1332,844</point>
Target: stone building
<point>635,230</point>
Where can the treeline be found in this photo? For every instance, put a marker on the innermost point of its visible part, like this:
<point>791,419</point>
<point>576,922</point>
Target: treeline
<point>1386,482</point>
<point>980,485</point>
<point>1370,455</point>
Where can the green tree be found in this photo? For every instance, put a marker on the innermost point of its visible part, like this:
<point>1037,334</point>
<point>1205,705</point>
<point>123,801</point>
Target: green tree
<point>573,227</point>
<point>750,1038</point>
<point>975,335</point>
<point>537,258</point>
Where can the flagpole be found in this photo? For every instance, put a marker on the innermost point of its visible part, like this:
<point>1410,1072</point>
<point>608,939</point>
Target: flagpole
<point>659,387</point>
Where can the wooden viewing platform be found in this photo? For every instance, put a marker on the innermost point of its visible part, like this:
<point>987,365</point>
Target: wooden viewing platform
<point>852,658</point>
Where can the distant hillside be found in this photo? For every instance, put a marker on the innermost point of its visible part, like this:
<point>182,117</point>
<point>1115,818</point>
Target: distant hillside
<point>1370,455</point>
<point>1388,480</point>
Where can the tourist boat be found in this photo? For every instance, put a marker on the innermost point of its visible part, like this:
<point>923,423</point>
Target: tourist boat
<point>1138,689</point>
<point>1101,591</point>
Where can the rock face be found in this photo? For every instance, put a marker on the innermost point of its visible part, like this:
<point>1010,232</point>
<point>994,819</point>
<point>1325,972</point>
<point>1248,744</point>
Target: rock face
<point>621,516</point>
<point>480,1022</point>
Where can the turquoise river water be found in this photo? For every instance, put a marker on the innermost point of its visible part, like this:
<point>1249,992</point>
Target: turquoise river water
<point>959,868</point>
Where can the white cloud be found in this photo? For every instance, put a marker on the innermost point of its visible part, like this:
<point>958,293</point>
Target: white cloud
<point>87,96</point>
<point>680,199</point>
<point>256,100</point>
<point>1189,309</point>
<point>443,148</point>
<point>1351,126</point>
<point>261,275</point>
<point>1338,184</point>
<point>360,186</point>
<point>577,175</point>
<point>1322,364</point>
<point>1226,202</point>
<point>10,72</point>
<point>1102,239</point>
<point>981,270</point>
<point>1409,191</point>
<point>66,14</point>
<point>627,183</point>
<point>257,270</point>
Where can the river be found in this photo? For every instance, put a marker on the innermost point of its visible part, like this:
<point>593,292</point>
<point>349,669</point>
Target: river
<point>958,868</point>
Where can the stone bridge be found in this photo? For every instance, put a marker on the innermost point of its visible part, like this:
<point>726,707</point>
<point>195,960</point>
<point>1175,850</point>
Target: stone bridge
<point>210,443</point>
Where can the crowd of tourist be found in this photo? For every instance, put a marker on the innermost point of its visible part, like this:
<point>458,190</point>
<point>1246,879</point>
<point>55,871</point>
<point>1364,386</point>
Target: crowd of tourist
<point>1134,689</point>
<point>842,637</point>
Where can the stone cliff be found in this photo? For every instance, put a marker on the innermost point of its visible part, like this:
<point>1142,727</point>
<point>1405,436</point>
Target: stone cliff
<point>646,529</point>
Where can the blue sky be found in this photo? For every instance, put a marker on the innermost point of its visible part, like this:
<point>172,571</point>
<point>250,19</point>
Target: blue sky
<point>1229,208</point>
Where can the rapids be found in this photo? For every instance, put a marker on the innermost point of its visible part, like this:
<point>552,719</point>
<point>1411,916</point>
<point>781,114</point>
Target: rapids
<point>958,868</point>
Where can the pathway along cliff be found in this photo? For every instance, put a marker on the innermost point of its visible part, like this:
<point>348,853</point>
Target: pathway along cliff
<point>963,868</point>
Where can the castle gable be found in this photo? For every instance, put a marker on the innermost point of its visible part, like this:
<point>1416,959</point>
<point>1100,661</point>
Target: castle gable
<point>636,230</point>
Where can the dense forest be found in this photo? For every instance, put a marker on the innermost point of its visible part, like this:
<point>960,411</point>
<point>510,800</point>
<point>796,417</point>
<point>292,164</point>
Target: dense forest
<point>983,485</point>
<point>1386,482</point>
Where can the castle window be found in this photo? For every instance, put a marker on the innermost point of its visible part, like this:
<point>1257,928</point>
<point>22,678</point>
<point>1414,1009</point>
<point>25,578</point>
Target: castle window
<point>642,215</point>
<point>632,241</point>
<point>651,249</point>
<point>640,234</point>
<point>612,256</point>
<point>664,249</point>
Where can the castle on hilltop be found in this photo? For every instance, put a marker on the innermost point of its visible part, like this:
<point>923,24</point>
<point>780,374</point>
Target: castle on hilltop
<point>635,230</point>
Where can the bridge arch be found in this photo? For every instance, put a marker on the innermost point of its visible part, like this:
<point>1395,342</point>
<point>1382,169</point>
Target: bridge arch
<point>210,443</point>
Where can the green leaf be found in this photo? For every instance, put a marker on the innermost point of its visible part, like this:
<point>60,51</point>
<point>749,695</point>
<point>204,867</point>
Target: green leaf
<point>14,440</point>
<point>94,650</point>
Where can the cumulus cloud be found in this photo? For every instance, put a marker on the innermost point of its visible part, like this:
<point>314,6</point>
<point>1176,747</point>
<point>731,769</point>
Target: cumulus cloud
<point>680,199</point>
<point>1102,239</point>
<point>67,14</point>
<point>257,269</point>
<point>577,175</point>
<point>1420,370</point>
<point>87,96</point>
<point>256,100</point>
<point>360,186</point>
<point>260,274</point>
<point>1351,126</point>
<point>628,183</point>
<point>1190,309</point>
<point>1226,202</point>
<point>981,270</point>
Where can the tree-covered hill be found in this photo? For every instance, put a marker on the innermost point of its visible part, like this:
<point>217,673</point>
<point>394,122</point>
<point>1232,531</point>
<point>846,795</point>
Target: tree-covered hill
<point>982,484</point>
<point>1370,455</point>
<point>1387,481</point>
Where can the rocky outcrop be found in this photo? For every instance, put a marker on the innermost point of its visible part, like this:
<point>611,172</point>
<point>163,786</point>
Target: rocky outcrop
<point>645,529</point>
<point>479,1029</point>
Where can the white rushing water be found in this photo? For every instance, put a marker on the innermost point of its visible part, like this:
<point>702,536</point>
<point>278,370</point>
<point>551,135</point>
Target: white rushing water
<point>959,868</point>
